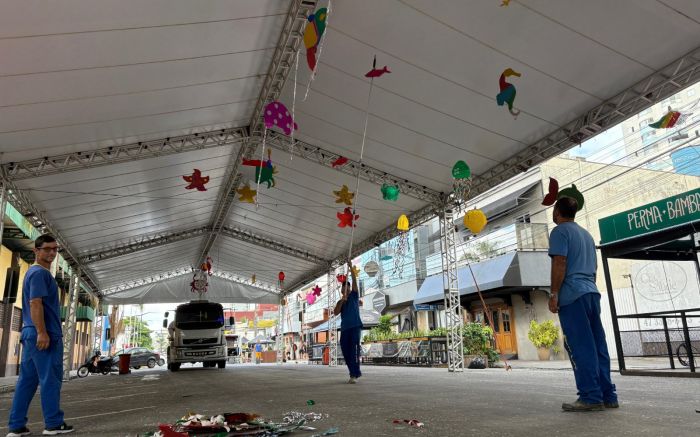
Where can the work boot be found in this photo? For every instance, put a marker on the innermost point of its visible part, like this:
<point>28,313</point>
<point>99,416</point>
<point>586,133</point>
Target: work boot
<point>578,405</point>
<point>612,404</point>
<point>352,380</point>
<point>19,432</point>
<point>63,428</point>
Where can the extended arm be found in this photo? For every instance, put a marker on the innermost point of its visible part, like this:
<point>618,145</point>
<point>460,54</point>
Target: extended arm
<point>36,309</point>
<point>558,274</point>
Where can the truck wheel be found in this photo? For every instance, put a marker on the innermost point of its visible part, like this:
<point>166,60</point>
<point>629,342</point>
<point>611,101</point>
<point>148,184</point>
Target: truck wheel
<point>174,367</point>
<point>222,364</point>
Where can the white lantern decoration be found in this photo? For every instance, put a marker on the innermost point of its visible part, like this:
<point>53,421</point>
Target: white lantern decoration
<point>371,268</point>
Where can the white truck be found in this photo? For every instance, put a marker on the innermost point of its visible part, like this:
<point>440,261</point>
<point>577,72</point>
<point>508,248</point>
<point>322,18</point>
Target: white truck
<point>197,335</point>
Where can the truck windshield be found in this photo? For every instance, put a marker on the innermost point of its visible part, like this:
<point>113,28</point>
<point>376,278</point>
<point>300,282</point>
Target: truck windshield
<point>199,316</point>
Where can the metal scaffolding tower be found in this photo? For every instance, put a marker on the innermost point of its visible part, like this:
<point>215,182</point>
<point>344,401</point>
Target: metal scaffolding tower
<point>70,324</point>
<point>280,330</point>
<point>332,319</point>
<point>455,360</point>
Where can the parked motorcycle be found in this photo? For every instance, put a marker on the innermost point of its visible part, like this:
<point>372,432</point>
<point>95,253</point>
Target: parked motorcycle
<point>97,364</point>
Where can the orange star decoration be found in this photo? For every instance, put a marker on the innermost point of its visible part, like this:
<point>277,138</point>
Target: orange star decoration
<point>247,195</point>
<point>344,195</point>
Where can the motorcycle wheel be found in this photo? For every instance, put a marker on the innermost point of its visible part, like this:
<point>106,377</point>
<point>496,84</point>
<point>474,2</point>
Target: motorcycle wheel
<point>105,371</point>
<point>83,371</point>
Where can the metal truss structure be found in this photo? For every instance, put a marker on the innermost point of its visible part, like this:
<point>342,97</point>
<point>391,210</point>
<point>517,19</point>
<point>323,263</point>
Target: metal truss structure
<point>280,330</point>
<point>325,157</point>
<point>280,66</point>
<point>25,206</point>
<point>70,324</point>
<point>143,242</point>
<point>645,93</point>
<point>49,165</point>
<point>453,308</point>
<point>333,296</point>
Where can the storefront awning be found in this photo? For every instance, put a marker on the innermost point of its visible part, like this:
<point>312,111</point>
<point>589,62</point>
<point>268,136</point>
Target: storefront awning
<point>369,318</point>
<point>514,269</point>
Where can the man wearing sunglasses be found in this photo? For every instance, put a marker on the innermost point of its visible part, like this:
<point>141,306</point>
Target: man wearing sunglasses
<point>42,341</point>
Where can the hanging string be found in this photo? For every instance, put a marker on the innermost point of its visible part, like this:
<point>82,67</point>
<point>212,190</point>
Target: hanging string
<point>488,316</point>
<point>320,49</point>
<point>357,183</point>
<point>294,102</point>
<point>262,158</point>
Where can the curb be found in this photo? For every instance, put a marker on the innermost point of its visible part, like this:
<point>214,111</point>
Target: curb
<point>7,388</point>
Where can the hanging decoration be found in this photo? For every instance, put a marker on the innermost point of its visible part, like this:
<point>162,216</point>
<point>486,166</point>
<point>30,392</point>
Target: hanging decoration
<point>196,181</point>
<point>316,291</point>
<point>461,181</point>
<point>505,3</point>
<point>507,91</point>
<point>552,192</point>
<point>252,279</point>
<point>402,224</point>
<point>341,278</point>
<point>264,170</point>
<point>372,268</point>
<point>374,72</point>
<point>277,115</point>
<point>200,281</point>
<point>246,194</point>
<point>475,220</point>
<point>670,119</point>
<point>310,298</point>
<point>206,265</point>
<point>356,271</point>
<point>313,34</point>
<point>344,195</point>
<point>280,279</point>
<point>390,192</point>
<point>339,162</point>
<point>347,218</point>
<point>573,193</point>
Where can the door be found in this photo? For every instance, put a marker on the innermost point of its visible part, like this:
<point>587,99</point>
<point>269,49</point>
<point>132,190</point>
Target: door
<point>504,327</point>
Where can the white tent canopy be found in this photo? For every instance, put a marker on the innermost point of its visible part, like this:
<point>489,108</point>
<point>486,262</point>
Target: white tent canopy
<point>104,107</point>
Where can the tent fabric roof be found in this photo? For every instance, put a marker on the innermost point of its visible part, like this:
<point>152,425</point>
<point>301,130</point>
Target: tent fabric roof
<point>78,77</point>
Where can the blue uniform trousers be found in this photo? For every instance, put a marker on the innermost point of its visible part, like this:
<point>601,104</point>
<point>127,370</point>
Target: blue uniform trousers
<point>38,368</point>
<point>350,345</point>
<point>588,350</point>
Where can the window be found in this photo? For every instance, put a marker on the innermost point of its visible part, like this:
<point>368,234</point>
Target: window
<point>506,320</point>
<point>523,219</point>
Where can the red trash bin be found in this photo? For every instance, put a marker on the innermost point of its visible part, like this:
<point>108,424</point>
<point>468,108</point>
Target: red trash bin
<point>124,361</point>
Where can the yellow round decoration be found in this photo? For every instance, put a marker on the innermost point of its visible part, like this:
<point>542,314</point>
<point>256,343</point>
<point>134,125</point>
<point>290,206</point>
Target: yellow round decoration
<point>475,220</point>
<point>402,225</point>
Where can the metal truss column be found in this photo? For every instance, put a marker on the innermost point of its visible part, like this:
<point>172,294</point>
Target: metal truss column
<point>280,330</point>
<point>453,310</point>
<point>70,324</point>
<point>332,319</point>
<point>97,329</point>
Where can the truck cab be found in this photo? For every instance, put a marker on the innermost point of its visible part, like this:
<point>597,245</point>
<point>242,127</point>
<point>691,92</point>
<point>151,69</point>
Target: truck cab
<point>197,335</point>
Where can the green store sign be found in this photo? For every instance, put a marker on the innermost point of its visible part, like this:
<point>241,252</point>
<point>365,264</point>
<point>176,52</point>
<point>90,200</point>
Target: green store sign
<point>663,214</point>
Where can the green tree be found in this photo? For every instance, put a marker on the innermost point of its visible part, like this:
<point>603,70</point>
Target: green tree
<point>480,251</point>
<point>138,332</point>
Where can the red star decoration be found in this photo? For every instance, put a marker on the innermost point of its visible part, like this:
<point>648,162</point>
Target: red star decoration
<point>341,278</point>
<point>346,218</point>
<point>196,180</point>
<point>316,290</point>
<point>339,162</point>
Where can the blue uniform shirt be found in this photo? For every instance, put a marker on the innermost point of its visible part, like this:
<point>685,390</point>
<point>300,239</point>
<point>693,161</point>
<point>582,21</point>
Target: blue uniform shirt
<point>576,244</point>
<point>350,313</point>
<point>39,283</point>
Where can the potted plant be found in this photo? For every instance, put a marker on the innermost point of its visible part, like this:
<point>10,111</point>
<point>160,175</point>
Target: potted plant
<point>543,336</point>
<point>477,345</point>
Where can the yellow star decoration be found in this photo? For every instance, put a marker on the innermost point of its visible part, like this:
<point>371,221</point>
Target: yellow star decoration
<point>247,195</point>
<point>253,279</point>
<point>356,270</point>
<point>505,2</point>
<point>344,195</point>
